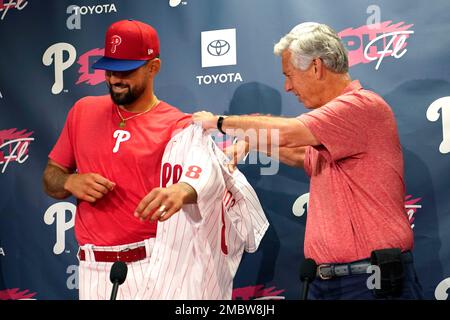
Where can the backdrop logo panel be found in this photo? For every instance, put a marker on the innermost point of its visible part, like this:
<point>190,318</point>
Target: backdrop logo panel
<point>75,11</point>
<point>218,48</point>
<point>11,4</point>
<point>87,75</point>
<point>370,43</point>
<point>54,55</point>
<point>14,146</point>
<point>72,281</point>
<point>56,213</point>
<point>300,205</point>
<point>441,292</point>
<point>16,294</point>
<point>258,292</point>
<point>174,3</point>
<point>411,207</point>
<point>441,107</point>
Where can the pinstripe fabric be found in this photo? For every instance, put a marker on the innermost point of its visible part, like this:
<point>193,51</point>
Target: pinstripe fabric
<point>198,250</point>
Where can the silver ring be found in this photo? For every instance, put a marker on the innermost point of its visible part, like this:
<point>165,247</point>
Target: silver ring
<point>162,209</point>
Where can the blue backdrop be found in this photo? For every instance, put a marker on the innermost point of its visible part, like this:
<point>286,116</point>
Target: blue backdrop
<point>399,49</point>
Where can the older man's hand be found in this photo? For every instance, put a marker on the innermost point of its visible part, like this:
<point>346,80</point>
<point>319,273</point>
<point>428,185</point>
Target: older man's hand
<point>206,119</point>
<point>236,152</point>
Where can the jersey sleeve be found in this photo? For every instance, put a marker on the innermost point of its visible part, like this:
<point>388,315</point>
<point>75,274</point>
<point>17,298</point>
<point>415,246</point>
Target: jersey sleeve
<point>63,152</point>
<point>199,170</point>
<point>340,126</point>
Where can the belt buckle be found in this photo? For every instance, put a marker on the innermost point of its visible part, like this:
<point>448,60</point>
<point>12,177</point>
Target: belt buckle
<point>319,268</point>
<point>121,251</point>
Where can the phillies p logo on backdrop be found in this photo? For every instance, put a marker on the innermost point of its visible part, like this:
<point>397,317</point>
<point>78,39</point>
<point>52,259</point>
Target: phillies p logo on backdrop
<point>55,55</point>
<point>174,3</point>
<point>56,213</point>
<point>440,108</point>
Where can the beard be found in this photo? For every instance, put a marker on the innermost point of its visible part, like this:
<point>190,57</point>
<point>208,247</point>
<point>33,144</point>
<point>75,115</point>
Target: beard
<point>127,97</point>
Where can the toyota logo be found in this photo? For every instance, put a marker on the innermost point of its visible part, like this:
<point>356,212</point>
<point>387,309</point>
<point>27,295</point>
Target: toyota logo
<point>218,48</point>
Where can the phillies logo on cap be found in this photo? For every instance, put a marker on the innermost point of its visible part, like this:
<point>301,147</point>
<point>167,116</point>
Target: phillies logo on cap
<point>115,41</point>
<point>138,43</point>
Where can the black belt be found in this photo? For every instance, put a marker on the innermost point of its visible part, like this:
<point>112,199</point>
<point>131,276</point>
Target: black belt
<point>328,271</point>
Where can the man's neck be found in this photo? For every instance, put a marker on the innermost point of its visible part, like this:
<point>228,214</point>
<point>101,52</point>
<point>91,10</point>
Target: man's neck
<point>335,86</point>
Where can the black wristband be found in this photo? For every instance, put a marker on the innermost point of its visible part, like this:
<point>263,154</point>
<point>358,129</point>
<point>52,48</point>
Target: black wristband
<point>219,124</point>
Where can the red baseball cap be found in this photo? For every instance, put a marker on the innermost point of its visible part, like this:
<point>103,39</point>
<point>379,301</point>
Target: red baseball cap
<point>128,45</point>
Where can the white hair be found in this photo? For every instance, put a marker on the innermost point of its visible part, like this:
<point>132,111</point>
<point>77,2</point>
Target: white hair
<point>310,40</point>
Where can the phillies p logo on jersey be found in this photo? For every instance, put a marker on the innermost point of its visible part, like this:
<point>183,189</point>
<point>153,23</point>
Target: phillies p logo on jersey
<point>120,136</point>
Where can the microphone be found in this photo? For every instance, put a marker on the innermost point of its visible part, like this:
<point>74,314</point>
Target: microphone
<point>307,275</point>
<point>117,276</point>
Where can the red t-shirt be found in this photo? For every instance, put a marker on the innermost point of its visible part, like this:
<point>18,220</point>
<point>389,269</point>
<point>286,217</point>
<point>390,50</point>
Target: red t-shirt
<point>92,141</point>
<point>356,201</point>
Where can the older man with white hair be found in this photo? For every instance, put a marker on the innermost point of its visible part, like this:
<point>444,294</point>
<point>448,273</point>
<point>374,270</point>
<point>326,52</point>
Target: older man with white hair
<point>349,146</point>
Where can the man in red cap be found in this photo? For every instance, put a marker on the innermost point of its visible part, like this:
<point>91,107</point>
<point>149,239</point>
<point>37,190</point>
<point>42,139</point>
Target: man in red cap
<point>108,156</point>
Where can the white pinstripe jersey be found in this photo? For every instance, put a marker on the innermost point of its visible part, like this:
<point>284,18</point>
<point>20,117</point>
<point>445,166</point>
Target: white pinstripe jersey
<point>198,250</point>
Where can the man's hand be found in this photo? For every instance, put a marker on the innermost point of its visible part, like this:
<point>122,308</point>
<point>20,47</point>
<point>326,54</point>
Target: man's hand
<point>206,119</point>
<point>89,187</point>
<point>236,152</point>
<point>161,203</point>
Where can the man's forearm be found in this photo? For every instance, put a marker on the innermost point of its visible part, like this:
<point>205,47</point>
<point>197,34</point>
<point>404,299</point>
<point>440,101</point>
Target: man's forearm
<point>54,180</point>
<point>254,122</point>
<point>290,131</point>
<point>293,157</point>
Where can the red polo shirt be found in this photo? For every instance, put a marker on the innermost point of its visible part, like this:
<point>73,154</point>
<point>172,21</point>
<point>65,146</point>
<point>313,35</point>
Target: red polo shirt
<point>356,201</point>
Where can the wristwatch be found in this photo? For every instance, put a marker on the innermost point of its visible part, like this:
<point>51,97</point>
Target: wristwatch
<point>219,124</point>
